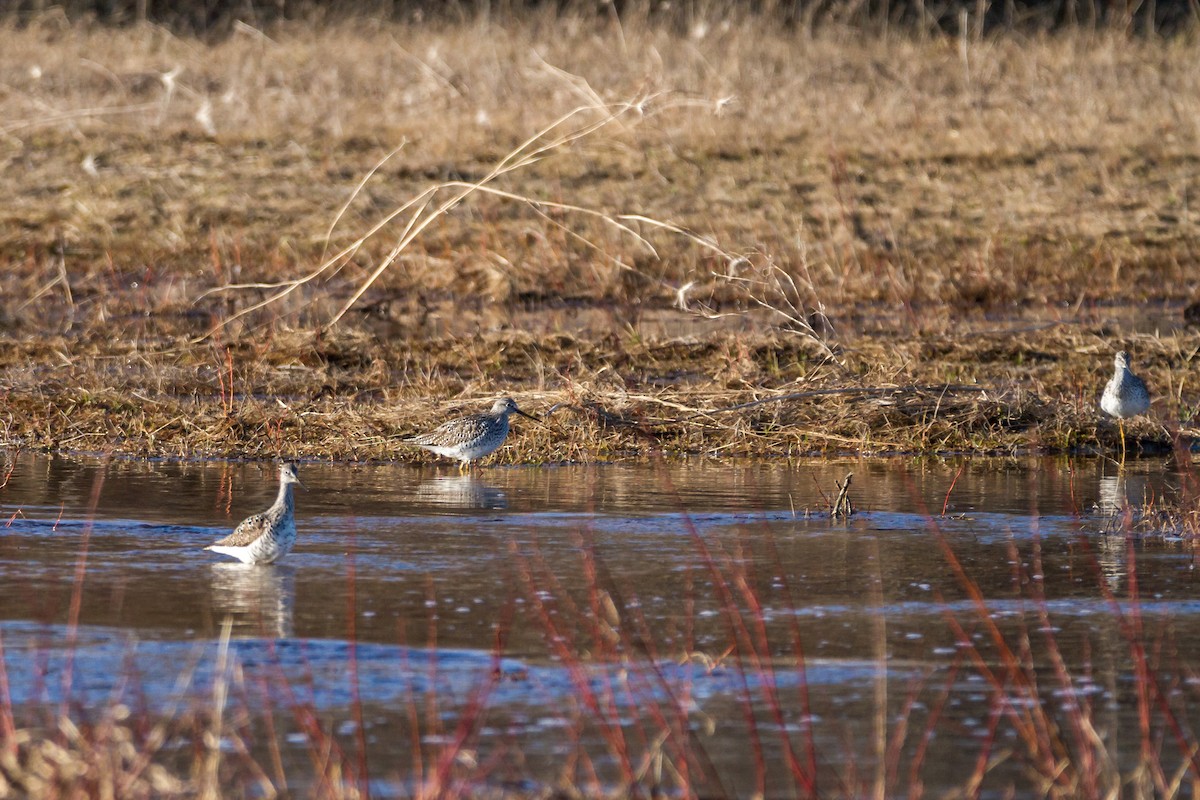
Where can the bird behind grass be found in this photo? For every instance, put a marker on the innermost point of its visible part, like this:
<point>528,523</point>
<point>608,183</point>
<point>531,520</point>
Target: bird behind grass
<point>267,537</point>
<point>471,437</point>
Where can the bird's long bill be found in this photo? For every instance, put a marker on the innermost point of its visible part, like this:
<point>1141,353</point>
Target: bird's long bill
<point>530,416</point>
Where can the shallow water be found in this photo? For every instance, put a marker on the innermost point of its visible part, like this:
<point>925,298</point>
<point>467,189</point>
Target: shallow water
<point>600,582</point>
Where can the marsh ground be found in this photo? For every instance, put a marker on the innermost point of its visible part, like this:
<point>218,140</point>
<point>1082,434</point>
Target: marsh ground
<point>901,243</point>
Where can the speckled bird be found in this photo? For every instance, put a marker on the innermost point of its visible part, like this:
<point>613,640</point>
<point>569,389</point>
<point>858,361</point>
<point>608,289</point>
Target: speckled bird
<point>472,437</point>
<point>269,536</point>
<point>1125,395</point>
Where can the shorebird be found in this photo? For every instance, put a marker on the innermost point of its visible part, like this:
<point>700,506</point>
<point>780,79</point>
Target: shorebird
<point>471,437</point>
<point>1124,396</point>
<point>266,537</point>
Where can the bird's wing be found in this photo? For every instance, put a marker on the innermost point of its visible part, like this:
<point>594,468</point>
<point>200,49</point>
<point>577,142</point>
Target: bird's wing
<point>250,529</point>
<point>452,432</point>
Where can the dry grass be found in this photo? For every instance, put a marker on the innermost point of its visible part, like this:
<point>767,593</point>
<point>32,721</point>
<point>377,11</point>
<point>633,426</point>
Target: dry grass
<point>984,219</point>
<point>729,395</point>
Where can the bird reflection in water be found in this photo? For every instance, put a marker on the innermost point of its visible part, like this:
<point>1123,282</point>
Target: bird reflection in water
<point>260,600</point>
<point>1122,499</point>
<point>1113,557</point>
<point>1120,492</point>
<point>461,491</point>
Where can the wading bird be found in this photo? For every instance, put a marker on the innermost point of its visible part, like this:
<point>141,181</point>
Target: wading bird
<point>269,536</point>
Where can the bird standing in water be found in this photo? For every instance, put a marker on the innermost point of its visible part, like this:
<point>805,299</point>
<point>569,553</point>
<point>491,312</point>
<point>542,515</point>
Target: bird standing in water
<point>269,536</point>
<point>1124,396</point>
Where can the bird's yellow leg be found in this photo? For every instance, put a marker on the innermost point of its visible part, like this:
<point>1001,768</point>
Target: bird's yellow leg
<point>1121,426</point>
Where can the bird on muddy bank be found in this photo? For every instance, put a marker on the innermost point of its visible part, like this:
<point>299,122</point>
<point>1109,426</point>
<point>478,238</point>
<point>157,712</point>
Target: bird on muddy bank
<point>267,537</point>
<point>472,437</point>
<point>1125,395</point>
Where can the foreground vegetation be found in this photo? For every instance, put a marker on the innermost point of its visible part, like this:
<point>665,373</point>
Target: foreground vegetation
<point>901,243</point>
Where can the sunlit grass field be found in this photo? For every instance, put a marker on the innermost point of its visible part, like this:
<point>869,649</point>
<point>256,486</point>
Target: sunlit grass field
<point>313,239</point>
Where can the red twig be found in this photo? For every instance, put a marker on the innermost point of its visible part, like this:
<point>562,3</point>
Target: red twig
<point>12,467</point>
<point>561,645</point>
<point>77,588</point>
<point>356,707</point>
<point>810,751</point>
<point>953,483</point>
<point>1086,767</point>
<point>739,637</point>
<point>474,714</point>
<point>7,727</point>
<point>915,785</point>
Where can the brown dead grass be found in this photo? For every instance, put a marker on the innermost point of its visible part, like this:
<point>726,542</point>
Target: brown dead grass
<point>983,220</point>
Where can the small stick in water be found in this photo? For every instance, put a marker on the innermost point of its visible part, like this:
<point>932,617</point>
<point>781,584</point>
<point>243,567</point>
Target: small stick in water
<point>842,506</point>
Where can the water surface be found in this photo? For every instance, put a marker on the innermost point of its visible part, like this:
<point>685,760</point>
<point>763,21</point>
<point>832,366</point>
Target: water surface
<point>590,608</point>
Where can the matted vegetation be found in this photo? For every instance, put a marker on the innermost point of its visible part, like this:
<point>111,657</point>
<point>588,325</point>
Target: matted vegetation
<point>903,243</point>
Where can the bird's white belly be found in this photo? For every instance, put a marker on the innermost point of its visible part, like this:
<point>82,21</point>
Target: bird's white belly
<point>464,453</point>
<point>1110,405</point>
